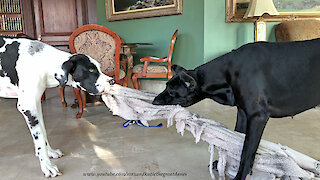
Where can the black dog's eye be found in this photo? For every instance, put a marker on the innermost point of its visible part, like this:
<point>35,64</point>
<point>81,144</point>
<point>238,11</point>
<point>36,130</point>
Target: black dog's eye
<point>173,93</point>
<point>91,70</point>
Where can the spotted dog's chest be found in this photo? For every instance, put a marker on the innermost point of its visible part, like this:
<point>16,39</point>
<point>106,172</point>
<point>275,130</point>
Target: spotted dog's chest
<point>9,54</point>
<point>7,89</point>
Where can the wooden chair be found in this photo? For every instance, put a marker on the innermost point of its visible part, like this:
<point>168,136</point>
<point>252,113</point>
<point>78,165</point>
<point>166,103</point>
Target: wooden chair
<point>148,70</point>
<point>103,45</point>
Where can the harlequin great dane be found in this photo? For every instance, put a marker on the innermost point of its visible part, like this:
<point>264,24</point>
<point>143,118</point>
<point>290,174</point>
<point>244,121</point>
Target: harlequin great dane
<point>27,68</point>
<point>261,79</point>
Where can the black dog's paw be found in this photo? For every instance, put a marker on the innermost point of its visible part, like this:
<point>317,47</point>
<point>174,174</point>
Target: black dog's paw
<point>214,165</point>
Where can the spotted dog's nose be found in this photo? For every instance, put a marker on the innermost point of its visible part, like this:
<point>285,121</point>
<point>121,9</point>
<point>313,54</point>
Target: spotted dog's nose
<point>112,82</point>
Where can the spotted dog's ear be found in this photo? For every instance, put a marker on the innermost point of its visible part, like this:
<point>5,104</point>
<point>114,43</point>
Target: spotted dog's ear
<point>67,67</point>
<point>177,68</point>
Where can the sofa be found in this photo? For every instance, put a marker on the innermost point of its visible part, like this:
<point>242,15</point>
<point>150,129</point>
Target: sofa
<point>297,30</point>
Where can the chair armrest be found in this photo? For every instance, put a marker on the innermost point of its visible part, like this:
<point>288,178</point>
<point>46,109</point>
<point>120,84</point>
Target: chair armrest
<point>154,59</point>
<point>145,68</point>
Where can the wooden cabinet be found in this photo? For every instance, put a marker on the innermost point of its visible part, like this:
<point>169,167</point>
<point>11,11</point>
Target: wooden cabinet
<point>52,21</point>
<point>56,20</point>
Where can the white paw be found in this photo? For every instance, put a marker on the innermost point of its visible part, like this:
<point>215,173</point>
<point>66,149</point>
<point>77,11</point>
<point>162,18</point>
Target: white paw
<point>54,153</point>
<point>49,169</point>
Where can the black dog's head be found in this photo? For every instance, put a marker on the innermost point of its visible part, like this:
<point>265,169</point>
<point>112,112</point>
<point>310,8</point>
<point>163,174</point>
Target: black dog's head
<point>188,87</point>
<point>182,89</point>
<point>85,73</point>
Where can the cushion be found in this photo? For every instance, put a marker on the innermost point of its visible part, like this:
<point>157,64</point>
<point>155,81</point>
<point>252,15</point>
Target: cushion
<point>151,69</point>
<point>122,74</point>
<point>98,45</point>
<point>297,30</point>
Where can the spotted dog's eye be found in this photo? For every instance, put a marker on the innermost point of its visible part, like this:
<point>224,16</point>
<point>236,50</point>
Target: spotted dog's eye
<point>91,70</point>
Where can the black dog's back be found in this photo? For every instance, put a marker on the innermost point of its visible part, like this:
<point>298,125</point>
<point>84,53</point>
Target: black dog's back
<point>289,71</point>
<point>262,79</point>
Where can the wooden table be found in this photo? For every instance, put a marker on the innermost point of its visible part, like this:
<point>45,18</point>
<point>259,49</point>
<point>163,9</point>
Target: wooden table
<point>128,49</point>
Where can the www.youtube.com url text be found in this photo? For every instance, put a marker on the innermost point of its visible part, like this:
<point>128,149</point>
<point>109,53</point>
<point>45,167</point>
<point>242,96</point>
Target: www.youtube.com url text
<point>134,174</point>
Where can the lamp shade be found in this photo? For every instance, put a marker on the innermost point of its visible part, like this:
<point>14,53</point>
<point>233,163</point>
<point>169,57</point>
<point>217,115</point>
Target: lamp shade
<point>258,7</point>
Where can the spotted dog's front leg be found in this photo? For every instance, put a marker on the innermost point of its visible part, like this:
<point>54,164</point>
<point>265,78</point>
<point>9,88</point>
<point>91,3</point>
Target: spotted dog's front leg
<point>29,105</point>
<point>52,153</point>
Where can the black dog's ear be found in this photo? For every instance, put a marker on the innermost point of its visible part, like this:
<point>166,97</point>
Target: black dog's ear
<point>188,80</point>
<point>177,68</point>
<point>67,68</point>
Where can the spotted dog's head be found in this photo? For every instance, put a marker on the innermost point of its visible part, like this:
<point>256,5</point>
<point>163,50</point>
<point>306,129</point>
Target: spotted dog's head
<point>182,89</point>
<point>85,73</point>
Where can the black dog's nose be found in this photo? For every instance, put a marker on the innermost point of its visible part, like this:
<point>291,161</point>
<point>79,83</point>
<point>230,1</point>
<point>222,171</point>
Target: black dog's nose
<point>156,101</point>
<point>160,99</point>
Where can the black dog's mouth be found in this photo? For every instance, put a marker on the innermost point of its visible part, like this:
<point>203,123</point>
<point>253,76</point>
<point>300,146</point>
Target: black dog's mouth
<point>173,104</point>
<point>154,102</point>
<point>162,102</point>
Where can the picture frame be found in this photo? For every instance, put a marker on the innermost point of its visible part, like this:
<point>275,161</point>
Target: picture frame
<point>233,14</point>
<point>133,9</point>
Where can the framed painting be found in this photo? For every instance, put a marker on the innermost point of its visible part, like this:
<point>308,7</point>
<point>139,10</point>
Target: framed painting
<point>134,9</point>
<point>288,9</point>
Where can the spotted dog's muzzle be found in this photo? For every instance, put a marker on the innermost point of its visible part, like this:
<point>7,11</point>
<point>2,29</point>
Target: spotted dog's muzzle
<point>107,89</point>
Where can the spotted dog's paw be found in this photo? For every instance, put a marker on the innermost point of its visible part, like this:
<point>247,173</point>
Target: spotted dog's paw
<point>49,169</point>
<point>54,153</point>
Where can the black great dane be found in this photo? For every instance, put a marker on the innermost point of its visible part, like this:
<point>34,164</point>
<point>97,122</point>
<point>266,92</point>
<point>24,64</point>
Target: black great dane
<point>262,79</point>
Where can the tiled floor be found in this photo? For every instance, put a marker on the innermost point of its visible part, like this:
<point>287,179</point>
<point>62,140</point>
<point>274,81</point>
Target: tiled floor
<point>97,143</point>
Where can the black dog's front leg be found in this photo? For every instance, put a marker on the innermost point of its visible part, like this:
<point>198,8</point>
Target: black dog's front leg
<point>255,126</point>
<point>241,125</point>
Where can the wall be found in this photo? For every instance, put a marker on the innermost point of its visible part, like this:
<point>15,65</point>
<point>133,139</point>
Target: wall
<point>203,33</point>
<point>92,11</point>
<point>189,45</point>
<point>221,37</point>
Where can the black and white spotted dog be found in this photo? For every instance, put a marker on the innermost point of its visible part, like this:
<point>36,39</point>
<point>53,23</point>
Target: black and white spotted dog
<point>27,68</point>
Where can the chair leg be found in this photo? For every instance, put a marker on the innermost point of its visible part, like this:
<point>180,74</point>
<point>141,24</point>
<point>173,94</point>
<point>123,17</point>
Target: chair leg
<point>139,84</point>
<point>77,94</point>
<point>134,81</point>
<point>125,82</point>
<point>43,97</point>
<point>84,98</point>
<point>129,76</point>
<point>62,97</point>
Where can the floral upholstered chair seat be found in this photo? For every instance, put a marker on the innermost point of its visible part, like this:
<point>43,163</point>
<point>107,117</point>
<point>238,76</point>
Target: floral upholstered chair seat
<point>150,69</point>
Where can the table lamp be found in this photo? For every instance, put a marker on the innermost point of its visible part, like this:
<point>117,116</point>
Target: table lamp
<point>257,8</point>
